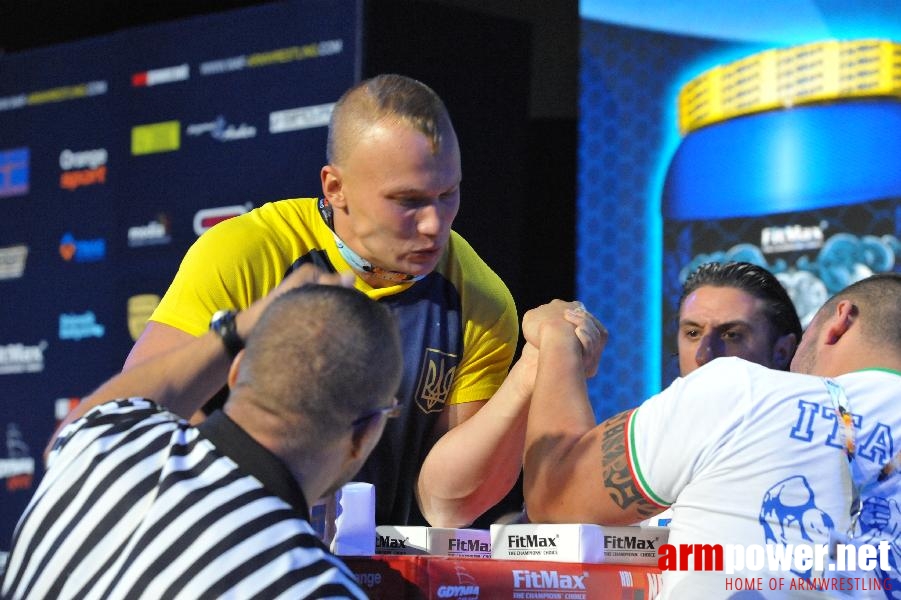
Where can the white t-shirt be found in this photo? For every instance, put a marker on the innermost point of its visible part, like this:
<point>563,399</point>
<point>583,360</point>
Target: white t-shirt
<point>751,456</point>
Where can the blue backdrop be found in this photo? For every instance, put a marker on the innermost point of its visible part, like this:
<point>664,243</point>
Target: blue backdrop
<point>635,57</point>
<point>115,154</point>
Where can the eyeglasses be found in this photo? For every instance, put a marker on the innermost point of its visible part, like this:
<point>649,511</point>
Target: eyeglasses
<point>390,412</point>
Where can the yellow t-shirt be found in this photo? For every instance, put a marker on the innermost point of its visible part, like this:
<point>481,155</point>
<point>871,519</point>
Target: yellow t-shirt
<point>458,325</point>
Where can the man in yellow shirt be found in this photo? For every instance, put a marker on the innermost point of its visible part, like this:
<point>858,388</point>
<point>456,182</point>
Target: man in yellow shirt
<point>390,192</point>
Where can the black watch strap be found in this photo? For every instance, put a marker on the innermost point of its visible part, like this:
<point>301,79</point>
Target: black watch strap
<point>224,324</point>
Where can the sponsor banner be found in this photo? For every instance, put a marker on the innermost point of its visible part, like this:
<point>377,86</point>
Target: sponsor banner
<point>434,577</point>
<point>154,233</point>
<point>13,102</point>
<point>634,544</point>
<point>81,251</point>
<point>153,77</point>
<point>14,172</point>
<point>57,94</point>
<point>305,117</point>
<point>12,261</point>
<point>207,217</point>
<point>78,326</point>
<point>441,541</point>
<point>813,254</point>
<point>271,57</point>
<point>82,168</point>
<point>68,92</point>
<point>193,146</point>
<point>390,577</point>
<point>791,238</point>
<point>139,308</point>
<point>18,358</point>
<point>17,467</point>
<point>154,138</point>
<point>565,543</point>
<point>63,406</point>
<point>221,130</point>
<point>84,159</point>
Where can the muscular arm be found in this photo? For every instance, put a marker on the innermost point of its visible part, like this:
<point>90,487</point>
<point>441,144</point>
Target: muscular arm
<point>157,338</point>
<point>160,338</point>
<point>179,379</point>
<point>183,376</point>
<point>477,460</point>
<point>575,471</point>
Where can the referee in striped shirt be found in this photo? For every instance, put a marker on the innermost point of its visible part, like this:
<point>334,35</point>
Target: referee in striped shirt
<point>138,503</point>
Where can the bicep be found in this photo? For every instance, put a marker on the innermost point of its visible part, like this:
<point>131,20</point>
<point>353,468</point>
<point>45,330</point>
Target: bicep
<point>452,416</point>
<point>455,414</point>
<point>156,339</point>
<point>591,483</point>
<point>619,481</point>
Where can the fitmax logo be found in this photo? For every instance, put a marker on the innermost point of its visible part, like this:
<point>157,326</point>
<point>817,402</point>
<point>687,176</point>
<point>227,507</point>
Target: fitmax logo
<point>386,541</point>
<point>627,543</point>
<point>547,580</point>
<point>458,545</point>
<point>791,238</point>
<point>19,358</point>
<point>531,541</point>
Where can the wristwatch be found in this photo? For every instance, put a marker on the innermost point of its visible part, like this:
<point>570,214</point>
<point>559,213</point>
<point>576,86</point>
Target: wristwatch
<point>223,323</point>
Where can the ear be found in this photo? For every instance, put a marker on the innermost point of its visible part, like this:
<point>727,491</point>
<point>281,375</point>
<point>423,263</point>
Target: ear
<point>234,369</point>
<point>332,185</point>
<point>784,351</point>
<point>842,320</point>
<point>365,436</point>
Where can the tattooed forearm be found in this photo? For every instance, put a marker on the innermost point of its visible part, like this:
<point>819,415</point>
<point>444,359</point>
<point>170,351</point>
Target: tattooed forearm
<point>617,478</point>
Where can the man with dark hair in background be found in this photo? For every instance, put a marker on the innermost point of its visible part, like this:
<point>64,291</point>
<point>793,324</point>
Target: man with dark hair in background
<point>735,309</point>
<point>136,502</point>
<point>744,455</point>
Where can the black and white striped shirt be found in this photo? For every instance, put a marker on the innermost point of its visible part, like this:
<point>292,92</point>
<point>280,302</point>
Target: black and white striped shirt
<point>136,503</point>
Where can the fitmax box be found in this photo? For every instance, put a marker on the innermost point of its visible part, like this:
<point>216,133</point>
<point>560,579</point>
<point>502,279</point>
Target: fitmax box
<point>438,541</point>
<point>575,542</point>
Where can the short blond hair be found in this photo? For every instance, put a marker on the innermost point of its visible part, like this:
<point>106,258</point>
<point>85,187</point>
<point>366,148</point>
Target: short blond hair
<point>381,98</point>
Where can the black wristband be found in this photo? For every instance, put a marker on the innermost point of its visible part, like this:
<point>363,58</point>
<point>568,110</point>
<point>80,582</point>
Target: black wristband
<point>224,323</point>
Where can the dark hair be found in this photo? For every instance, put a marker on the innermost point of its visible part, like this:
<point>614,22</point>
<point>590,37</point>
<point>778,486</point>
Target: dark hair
<point>779,310</point>
<point>327,353</point>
